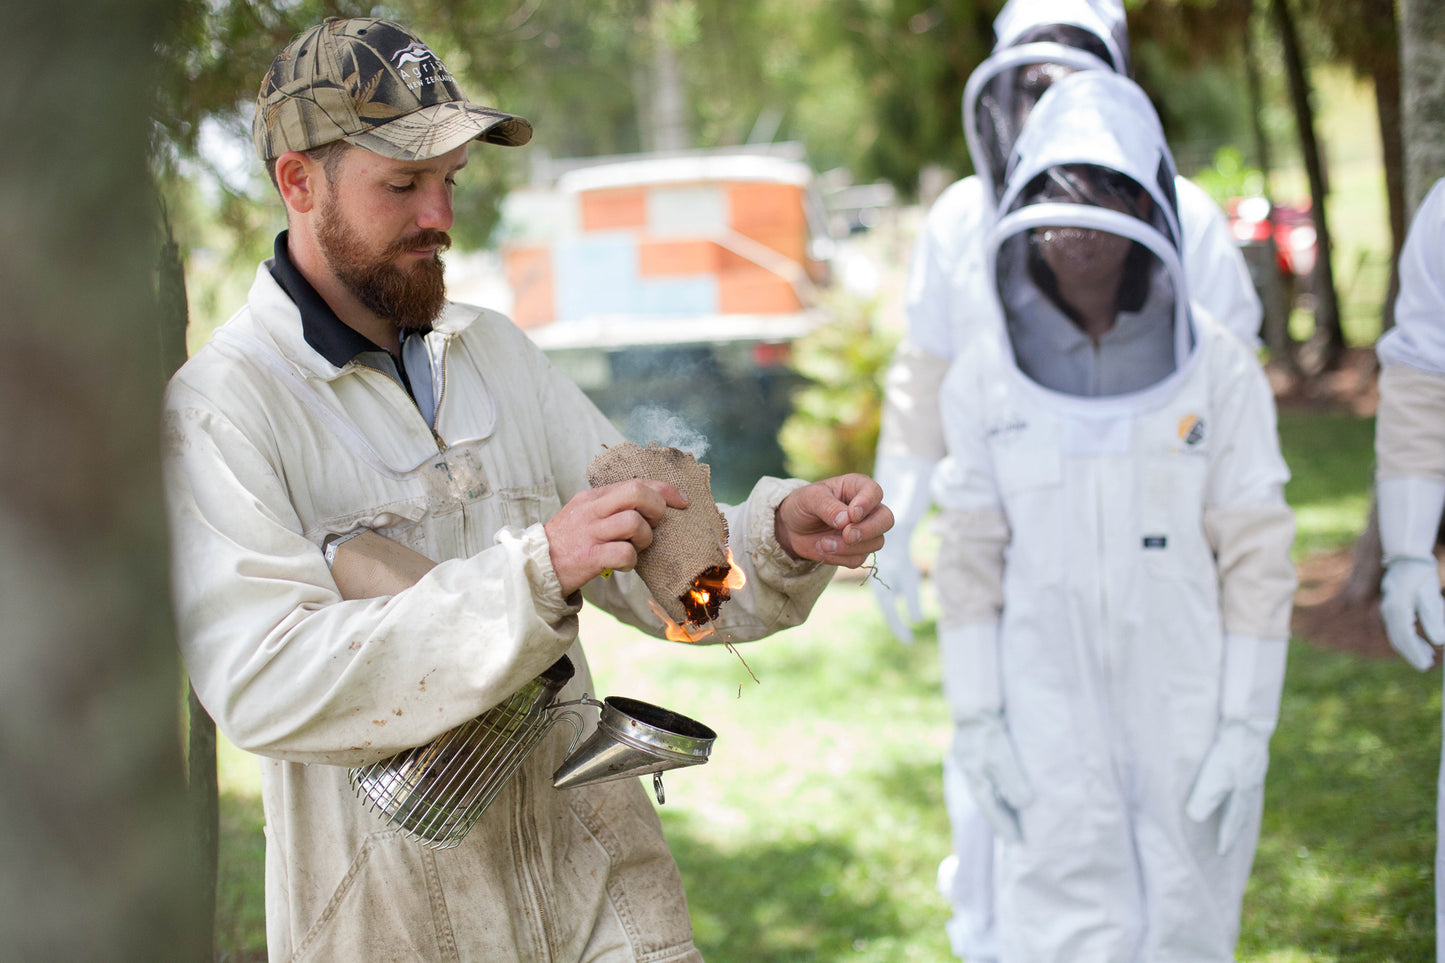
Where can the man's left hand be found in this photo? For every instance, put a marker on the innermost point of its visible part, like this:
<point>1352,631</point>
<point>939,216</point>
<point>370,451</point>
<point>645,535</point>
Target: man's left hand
<point>839,520</point>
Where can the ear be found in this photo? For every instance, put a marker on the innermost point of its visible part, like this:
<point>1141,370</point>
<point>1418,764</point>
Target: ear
<point>300,180</point>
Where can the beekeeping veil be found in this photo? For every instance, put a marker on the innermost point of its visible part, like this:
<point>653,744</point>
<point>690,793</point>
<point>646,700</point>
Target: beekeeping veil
<point>1085,247</point>
<point>1036,43</point>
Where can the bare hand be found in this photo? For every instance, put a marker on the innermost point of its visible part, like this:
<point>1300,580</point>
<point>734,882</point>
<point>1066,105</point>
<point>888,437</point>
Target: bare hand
<point>604,528</point>
<point>839,520</point>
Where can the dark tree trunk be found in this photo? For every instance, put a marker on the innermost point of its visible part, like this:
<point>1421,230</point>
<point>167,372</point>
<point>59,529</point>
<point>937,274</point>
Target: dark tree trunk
<point>173,320</point>
<point>95,862</point>
<point>1276,296</point>
<point>1326,347</point>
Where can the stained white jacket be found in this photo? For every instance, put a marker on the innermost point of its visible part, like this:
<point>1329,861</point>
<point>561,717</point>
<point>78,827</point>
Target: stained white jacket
<point>268,448</point>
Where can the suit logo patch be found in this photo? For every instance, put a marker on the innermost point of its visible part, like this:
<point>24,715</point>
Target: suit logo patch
<point>1191,430</point>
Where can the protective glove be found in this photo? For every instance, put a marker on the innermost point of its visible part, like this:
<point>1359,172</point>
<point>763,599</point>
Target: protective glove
<point>984,752</point>
<point>1233,771</point>
<point>983,749</point>
<point>1409,510</point>
<point>1411,590</point>
<point>896,581</point>
<point>1232,775</point>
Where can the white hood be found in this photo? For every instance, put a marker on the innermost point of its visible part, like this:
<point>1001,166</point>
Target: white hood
<point>1092,128</point>
<point>1001,90</point>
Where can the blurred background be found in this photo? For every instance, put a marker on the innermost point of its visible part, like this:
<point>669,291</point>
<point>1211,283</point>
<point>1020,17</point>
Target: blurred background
<point>710,233</point>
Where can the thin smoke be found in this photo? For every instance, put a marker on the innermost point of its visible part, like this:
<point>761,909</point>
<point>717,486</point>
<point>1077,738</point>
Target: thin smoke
<point>653,423</point>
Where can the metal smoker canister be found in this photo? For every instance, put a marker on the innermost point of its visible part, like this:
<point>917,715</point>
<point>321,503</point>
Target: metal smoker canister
<point>435,793</point>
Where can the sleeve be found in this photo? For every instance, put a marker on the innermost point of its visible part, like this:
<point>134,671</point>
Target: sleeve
<point>1418,337</point>
<point>1246,519</point>
<point>945,251</point>
<point>972,526</point>
<point>1218,275</point>
<point>290,670</point>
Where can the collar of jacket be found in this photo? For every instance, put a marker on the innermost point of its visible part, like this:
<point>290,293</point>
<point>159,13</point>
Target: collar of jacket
<point>274,330</point>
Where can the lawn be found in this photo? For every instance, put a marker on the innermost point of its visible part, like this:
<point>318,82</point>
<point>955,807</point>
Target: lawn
<point>814,831</point>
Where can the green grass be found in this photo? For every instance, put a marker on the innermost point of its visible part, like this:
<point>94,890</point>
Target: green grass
<point>1331,461</point>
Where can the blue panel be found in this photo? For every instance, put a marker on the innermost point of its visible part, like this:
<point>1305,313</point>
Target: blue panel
<point>684,296</point>
<point>596,274</point>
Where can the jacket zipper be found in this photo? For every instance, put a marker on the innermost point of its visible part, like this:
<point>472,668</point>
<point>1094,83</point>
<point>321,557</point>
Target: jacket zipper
<point>441,394</point>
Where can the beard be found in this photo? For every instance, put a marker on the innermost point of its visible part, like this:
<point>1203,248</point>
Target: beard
<point>410,300</point>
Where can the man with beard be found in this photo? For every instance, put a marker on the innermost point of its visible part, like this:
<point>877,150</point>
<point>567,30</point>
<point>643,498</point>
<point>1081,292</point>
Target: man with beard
<point>349,398</point>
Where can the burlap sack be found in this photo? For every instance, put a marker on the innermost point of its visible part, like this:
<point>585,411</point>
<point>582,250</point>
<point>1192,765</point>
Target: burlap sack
<point>689,543</point>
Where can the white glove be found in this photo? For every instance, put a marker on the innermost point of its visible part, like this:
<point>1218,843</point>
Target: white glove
<point>1409,510</point>
<point>896,581</point>
<point>982,747</point>
<point>1232,775</point>
<point>1411,590</point>
<point>895,584</point>
<point>984,752</point>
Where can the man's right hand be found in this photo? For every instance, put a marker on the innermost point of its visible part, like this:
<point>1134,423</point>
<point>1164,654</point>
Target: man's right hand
<point>604,528</point>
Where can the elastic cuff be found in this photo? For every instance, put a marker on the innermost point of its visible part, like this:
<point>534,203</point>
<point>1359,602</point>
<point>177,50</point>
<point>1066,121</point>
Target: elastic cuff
<point>552,607</point>
<point>772,563</point>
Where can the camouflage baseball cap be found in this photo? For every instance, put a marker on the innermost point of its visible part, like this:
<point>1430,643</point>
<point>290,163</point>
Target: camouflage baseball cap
<point>371,83</point>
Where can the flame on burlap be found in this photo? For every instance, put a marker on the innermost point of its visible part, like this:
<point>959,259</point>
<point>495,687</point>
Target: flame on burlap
<point>689,545</point>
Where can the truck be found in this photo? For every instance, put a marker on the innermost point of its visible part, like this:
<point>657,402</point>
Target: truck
<point>672,287</point>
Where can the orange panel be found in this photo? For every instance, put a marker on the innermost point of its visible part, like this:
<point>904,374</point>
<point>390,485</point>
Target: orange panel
<point>767,207</point>
<point>665,258</point>
<point>529,272</point>
<point>756,292</point>
<point>614,208</point>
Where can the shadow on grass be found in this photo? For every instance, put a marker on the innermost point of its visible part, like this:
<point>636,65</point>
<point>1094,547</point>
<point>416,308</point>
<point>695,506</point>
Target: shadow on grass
<point>861,892</point>
<point>1346,855</point>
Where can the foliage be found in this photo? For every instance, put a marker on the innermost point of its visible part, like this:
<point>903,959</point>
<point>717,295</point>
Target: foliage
<point>1229,176</point>
<point>834,425</point>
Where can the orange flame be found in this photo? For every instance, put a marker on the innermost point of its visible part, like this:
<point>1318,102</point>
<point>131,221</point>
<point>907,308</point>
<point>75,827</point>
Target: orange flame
<point>698,599</point>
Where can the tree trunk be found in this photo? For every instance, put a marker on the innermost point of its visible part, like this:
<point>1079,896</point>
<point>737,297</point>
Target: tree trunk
<point>1387,108</point>
<point>173,317</point>
<point>1327,345</point>
<point>1274,294</point>
<point>95,862</point>
<point>1422,90</point>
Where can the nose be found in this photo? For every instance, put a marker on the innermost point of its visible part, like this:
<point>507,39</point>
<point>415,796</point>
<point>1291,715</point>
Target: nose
<point>436,209</point>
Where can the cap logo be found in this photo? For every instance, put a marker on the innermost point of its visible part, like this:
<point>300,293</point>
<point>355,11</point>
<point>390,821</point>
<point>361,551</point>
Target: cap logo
<point>418,66</point>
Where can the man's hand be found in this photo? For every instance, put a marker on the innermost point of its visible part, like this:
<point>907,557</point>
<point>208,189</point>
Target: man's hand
<point>604,528</point>
<point>839,520</point>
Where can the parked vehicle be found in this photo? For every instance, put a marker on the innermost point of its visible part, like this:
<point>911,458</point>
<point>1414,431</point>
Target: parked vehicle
<point>675,284</point>
<point>1279,246</point>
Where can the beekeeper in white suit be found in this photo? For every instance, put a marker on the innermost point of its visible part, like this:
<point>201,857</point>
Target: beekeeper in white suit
<point>1037,41</point>
<point>1410,462</point>
<point>1114,570</point>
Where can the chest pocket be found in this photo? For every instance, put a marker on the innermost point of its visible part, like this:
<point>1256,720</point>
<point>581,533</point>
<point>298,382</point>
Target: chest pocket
<point>1171,501</point>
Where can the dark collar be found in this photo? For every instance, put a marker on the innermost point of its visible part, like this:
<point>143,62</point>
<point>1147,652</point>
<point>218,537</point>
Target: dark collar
<point>331,338</point>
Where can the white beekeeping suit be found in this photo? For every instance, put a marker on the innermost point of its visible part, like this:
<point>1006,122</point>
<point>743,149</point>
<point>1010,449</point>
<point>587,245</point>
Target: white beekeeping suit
<point>1114,568</point>
<point>1410,463</point>
<point>1037,41</point>
<point>948,299</point>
